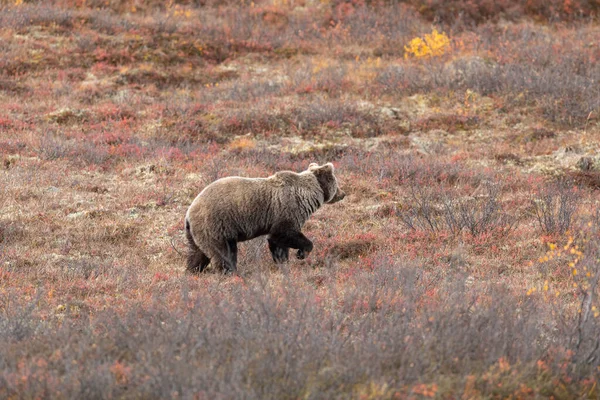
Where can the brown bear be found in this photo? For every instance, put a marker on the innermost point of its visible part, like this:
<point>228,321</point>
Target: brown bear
<point>235,209</point>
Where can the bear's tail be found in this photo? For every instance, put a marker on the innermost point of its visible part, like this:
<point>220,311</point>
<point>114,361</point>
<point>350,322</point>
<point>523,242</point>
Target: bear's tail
<point>188,234</point>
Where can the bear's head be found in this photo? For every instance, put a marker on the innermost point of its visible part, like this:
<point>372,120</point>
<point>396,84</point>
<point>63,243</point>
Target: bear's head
<point>324,173</point>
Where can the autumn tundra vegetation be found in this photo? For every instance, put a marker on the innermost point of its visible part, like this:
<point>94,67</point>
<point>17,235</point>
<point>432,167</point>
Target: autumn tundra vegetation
<point>463,263</point>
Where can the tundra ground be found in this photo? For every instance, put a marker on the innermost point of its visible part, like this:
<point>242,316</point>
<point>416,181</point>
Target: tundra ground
<point>463,263</point>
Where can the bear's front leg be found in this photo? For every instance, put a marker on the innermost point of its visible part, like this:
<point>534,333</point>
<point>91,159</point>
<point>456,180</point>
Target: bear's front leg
<point>292,239</point>
<point>301,254</point>
<point>305,250</point>
<point>280,254</point>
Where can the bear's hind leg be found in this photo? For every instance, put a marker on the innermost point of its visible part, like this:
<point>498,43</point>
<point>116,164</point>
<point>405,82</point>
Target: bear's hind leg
<point>280,254</point>
<point>197,261</point>
<point>225,257</point>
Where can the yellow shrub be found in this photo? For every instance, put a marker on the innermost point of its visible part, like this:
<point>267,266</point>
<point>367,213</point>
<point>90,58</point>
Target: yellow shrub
<point>241,144</point>
<point>435,44</point>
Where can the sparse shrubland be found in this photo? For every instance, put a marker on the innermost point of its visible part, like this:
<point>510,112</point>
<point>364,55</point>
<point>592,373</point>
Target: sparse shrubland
<point>464,262</point>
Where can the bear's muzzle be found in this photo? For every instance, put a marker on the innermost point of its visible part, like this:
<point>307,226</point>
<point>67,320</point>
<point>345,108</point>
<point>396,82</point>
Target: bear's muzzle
<point>339,195</point>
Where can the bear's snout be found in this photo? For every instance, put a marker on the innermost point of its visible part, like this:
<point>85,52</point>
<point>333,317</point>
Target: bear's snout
<point>339,195</point>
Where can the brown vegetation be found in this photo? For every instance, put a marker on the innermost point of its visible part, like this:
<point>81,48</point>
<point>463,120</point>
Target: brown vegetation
<point>462,264</point>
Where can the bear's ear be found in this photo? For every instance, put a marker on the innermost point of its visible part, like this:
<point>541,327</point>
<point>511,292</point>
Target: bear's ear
<point>325,168</point>
<point>321,169</point>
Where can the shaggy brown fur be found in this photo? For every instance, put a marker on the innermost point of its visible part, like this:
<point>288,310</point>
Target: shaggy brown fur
<point>235,209</point>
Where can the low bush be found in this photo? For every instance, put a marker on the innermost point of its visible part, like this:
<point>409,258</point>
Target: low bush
<point>436,210</point>
<point>284,341</point>
<point>554,207</point>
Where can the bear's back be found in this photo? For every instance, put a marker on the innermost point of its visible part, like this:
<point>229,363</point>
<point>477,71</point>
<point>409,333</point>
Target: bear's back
<point>233,207</point>
<point>232,191</point>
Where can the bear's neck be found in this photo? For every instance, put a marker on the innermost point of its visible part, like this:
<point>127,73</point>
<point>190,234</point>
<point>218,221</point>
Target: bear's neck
<point>310,202</point>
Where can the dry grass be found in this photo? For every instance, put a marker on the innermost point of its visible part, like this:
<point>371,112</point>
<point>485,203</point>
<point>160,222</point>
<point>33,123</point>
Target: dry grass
<point>462,263</point>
